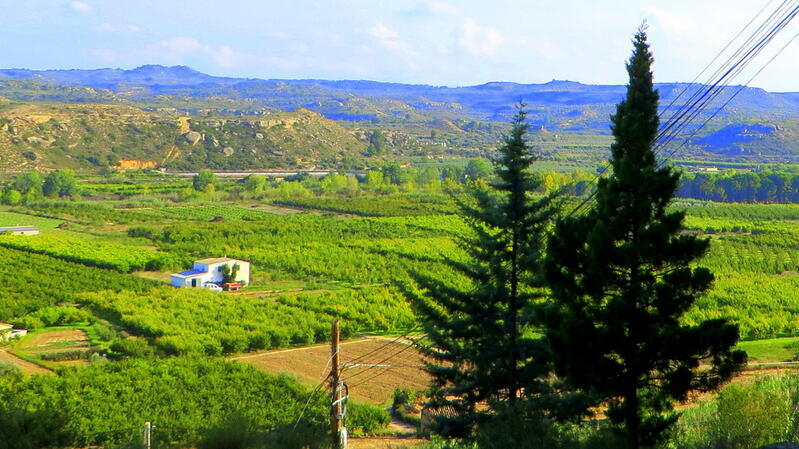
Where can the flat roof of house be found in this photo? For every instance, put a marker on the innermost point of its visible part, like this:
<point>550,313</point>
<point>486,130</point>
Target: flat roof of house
<point>212,260</point>
<point>18,228</point>
<point>6,325</point>
<point>190,273</point>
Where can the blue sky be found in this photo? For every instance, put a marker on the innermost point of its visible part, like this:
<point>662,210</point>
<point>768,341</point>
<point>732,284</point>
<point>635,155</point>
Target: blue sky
<point>440,42</point>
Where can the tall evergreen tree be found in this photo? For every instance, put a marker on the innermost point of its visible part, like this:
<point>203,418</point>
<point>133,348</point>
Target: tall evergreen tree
<point>479,336</point>
<point>622,277</point>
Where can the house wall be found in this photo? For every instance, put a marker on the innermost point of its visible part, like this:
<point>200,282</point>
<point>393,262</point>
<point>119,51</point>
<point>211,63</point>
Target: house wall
<point>26,232</point>
<point>243,275</point>
<point>179,281</point>
<point>212,274</point>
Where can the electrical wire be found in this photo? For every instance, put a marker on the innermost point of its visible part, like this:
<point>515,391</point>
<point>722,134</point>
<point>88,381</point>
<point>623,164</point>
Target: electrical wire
<point>384,346</point>
<point>323,378</point>
<point>775,23</point>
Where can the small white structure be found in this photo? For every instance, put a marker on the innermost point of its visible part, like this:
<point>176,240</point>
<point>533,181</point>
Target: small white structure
<point>7,332</point>
<point>19,230</point>
<point>211,271</point>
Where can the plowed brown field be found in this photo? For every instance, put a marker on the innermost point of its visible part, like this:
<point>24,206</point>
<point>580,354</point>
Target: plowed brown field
<point>399,365</point>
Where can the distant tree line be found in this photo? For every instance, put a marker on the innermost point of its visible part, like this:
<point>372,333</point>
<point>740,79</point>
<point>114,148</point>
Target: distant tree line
<point>32,186</point>
<point>742,187</point>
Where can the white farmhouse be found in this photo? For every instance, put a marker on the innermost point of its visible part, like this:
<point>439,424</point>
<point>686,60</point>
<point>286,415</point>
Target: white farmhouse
<point>7,332</point>
<point>207,271</point>
<point>19,230</point>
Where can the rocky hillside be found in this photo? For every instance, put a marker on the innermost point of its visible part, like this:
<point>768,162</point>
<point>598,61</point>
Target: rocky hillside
<point>94,135</point>
<point>228,119</point>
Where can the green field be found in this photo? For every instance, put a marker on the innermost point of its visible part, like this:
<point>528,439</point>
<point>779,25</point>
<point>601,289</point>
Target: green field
<point>312,267</point>
<point>316,256</point>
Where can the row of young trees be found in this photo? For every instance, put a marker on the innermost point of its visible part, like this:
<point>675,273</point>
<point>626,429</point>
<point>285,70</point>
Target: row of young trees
<point>596,305</point>
<point>32,186</point>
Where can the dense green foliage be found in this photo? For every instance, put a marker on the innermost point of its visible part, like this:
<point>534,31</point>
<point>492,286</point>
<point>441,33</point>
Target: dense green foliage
<point>742,187</point>
<point>369,206</point>
<point>184,398</point>
<point>742,416</point>
<point>33,281</point>
<point>59,183</point>
<point>312,247</point>
<point>622,278</point>
<point>481,339</point>
<point>196,321</point>
<point>94,253</point>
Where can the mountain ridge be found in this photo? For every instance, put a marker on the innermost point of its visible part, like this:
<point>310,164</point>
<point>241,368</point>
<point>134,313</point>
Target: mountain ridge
<point>419,115</point>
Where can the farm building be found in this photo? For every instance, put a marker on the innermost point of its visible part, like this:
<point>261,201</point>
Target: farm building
<point>19,230</point>
<point>7,332</point>
<point>212,271</point>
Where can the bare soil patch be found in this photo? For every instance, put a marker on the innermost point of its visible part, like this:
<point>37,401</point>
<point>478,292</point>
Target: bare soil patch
<point>52,343</point>
<point>385,443</point>
<point>24,365</point>
<point>55,341</point>
<point>161,276</point>
<point>399,365</point>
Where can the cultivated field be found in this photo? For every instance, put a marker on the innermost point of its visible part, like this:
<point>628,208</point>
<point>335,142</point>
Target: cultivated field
<point>24,365</point>
<point>385,443</point>
<point>373,384</point>
<point>64,347</point>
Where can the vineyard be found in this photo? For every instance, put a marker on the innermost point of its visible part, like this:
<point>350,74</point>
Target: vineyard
<point>92,253</point>
<point>366,206</point>
<point>314,258</point>
<point>352,266</point>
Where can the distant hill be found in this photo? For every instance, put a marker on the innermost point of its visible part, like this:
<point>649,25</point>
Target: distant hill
<point>91,135</point>
<point>469,117</point>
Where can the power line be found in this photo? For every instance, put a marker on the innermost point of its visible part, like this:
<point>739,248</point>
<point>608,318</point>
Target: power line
<point>716,57</point>
<point>687,139</point>
<point>392,342</point>
<point>316,389</point>
<point>718,87</point>
<point>382,362</point>
<point>775,23</point>
<point>723,72</point>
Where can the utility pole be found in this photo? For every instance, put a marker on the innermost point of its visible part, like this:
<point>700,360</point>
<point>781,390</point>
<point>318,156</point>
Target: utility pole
<point>337,408</point>
<point>148,428</point>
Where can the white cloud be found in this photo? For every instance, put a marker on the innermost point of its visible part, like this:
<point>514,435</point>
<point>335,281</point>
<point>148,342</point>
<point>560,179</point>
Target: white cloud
<point>299,47</point>
<point>478,39</point>
<point>224,56</point>
<point>442,7</point>
<point>547,49</point>
<point>105,55</point>
<point>182,44</point>
<point>80,6</point>
<point>389,39</point>
<point>382,32</point>
<point>109,28</point>
<point>176,50</point>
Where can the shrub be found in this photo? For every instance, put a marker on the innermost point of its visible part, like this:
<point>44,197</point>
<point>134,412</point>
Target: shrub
<point>742,417</point>
<point>367,419</point>
<point>402,396</point>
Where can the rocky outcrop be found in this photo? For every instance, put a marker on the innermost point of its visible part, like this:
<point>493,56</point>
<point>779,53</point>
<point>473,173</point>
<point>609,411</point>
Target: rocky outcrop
<point>38,140</point>
<point>192,137</point>
<point>132,164</point>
